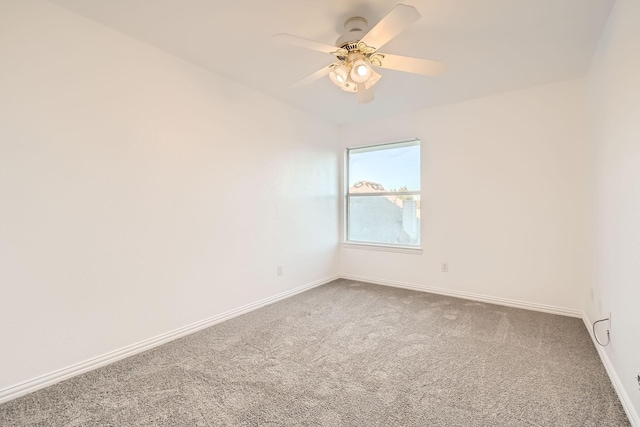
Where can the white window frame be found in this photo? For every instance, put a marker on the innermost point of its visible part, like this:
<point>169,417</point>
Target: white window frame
<point>378,246</point>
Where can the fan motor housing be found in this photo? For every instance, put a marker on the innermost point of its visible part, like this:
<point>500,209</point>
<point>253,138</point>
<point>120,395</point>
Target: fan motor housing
<point>355,29</point>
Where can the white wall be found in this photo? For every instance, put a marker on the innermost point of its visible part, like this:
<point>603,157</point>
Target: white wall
<point>504,197</point>
<point>614,88</point>
<point>140,193</point>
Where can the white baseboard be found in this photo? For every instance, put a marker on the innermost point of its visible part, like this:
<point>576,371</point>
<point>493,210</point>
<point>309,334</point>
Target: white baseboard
<point>626,401</point>
<point>46,380</point>
<point>470,296</point>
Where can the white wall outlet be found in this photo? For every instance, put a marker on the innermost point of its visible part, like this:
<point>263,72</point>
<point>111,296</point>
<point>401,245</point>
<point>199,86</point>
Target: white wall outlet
<point>445,267</point>
<point>280,270</point>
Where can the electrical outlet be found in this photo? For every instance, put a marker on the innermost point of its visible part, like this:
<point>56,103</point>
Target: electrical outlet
<point>638,378</point>
<point>280,270</point>
<point>445,267</point>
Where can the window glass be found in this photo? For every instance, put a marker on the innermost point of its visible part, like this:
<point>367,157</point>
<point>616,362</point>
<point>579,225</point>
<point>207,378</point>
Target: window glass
<point>393,166</point>
<point>383,197</point>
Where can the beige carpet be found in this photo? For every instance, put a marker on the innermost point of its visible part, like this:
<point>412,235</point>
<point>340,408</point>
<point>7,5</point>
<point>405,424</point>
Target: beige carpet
<point>349,354</point>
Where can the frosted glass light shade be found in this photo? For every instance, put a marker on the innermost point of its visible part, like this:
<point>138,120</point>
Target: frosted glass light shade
<point>360,71</point>
<point>342,72</point>
<point>336,78</point>
<point>373,79</point>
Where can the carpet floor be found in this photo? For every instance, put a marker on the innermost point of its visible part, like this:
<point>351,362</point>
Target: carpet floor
<point>348,354</point>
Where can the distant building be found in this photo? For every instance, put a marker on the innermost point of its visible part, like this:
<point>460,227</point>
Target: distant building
<point>382,219</point>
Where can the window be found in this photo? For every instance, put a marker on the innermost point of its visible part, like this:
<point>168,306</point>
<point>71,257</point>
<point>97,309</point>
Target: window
<point>383,194</point>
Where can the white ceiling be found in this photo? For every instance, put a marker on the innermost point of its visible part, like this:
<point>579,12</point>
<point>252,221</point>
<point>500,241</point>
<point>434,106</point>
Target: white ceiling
<point>490,46</point>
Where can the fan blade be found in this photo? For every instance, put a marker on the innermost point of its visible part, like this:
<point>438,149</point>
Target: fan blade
<point>395,22</point>
<point>301,42</point>
<point>312,77</point>
<point>413,65</point>
<point>364,95</point>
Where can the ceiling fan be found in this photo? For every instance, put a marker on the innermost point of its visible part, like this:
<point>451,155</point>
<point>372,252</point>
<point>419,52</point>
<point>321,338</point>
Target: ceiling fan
<point>357,53</point>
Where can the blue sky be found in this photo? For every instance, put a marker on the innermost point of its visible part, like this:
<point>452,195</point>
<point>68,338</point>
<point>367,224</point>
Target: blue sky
<point>393,168</point>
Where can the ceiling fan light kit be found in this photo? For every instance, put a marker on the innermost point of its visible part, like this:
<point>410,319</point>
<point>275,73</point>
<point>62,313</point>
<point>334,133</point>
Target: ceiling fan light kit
<point>357,56</point>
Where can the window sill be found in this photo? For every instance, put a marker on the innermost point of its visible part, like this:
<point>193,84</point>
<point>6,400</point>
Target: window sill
<point>384,248</point>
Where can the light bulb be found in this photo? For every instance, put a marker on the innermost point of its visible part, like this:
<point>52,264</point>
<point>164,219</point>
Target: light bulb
<point>360,72</point>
